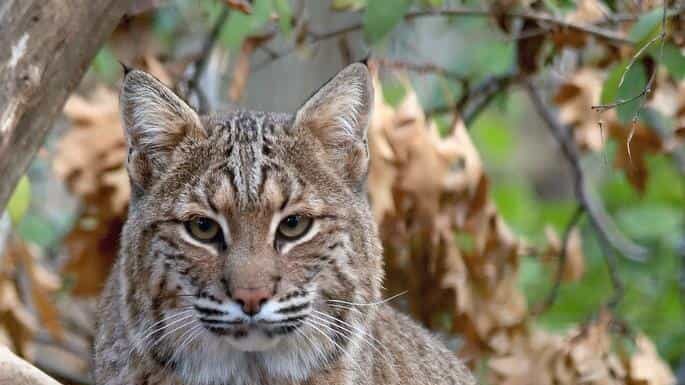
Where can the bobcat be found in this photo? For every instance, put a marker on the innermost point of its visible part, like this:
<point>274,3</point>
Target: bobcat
<point>250,256</point>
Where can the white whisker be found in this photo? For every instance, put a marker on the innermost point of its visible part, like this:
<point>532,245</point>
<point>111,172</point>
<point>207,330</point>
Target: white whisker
<point>189,335</point>
<point>176,317</point>
<point>313,322</point>
<point>368,304</point>
<point>350,328</point>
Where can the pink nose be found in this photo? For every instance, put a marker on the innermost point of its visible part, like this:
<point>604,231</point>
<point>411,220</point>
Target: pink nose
<point>251,300</point>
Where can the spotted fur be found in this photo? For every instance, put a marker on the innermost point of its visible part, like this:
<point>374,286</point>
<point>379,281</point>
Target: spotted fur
<point>169,315</point>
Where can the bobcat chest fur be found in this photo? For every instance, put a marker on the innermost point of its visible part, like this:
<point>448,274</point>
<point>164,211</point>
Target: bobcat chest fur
<point>250,256</point>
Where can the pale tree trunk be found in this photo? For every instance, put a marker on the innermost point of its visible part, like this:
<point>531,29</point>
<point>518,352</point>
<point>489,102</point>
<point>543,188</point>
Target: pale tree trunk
<point>45,47</point>
<point>15,371</point>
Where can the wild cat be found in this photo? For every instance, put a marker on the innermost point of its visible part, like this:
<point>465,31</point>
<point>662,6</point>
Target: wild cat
<point>250,255</point>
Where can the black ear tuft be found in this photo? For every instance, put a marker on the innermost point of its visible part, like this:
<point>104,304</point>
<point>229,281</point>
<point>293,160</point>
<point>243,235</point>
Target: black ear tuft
<point>126,68</point>
<point>156,121</point>
<point>365,59</point>
<point>337,115</point>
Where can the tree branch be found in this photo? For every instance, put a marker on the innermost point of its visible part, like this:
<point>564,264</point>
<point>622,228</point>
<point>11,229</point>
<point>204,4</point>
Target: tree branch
<point>599,219</point>
<point>608,35</point>
<point>476,99</point>
<point>561,263</point>
<point>45,51</point>
<point>191,86</point>
<point>15,371</point>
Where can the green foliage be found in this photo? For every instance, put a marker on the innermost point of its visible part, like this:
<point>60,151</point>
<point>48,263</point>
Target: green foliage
<point>652,301</point>
<point>393,92</point>
<point>285,16</point>
<point>240,25</point>
<point>647,27</point>
<point>20,200</point>
<point>348,5</point>
<point>493,137</point>
<point>670,57</point>
<point>106,66</point>
<point>382,16</point>
<point>614,91</point>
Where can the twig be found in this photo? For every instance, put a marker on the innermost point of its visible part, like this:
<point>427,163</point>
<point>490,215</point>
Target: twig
<point>610,36</point>
<point>471,104</point>
<point>192,84</point>
<point>474,100</point>
<point>648,86</point>
<point>612,268</point>
<point>594,209</point>
<point>563,254</point>
<point>421,68</point>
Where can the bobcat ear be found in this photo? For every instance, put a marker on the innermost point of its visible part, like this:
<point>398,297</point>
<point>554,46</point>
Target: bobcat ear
<point>338,116</point>
<point>156,121</point>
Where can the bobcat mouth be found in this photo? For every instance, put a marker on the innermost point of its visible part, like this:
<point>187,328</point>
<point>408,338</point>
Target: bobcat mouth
<point>241,328</point>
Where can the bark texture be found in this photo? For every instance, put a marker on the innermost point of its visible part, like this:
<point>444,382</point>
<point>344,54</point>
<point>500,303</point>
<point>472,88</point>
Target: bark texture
<point>15,371</point>
<point>45,47</point>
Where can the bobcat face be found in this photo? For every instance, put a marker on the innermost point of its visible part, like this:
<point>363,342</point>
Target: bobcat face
<point>249,232</point>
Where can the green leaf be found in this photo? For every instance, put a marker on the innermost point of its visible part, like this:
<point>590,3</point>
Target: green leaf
<point>285,15</point>
<point>348,5</point>
<point>634,81</point>
<point>433,3</point>
<point>648,26</point>
<point>20,200</point>
<point>649,221</point>
<point>493,141</point>
<point>240,25</point>
<point>105,65</point>
<point>393,93</point>
<point>672,58</point>
<point>382,16</point>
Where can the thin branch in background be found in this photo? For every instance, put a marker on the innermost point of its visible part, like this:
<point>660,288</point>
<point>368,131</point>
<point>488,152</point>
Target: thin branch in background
<point>561,263</point>
<point>421,68</point>
<point>612,268</point>
<point>648,86</point>
<point>608,35</point>
<point>594,209</point>
<point>475,99</point>
<point>191,85</point>
<point>609,237</point>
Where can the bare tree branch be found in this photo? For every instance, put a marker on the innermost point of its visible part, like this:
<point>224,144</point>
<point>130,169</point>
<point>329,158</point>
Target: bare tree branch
<point>550,21</point>
<point>421,68</point>
<point>191,85</point>
<point>561,262</point>
<point>45,51</point>
<point>15,371</point>
<point>476,99</point>
<point>599,219</point>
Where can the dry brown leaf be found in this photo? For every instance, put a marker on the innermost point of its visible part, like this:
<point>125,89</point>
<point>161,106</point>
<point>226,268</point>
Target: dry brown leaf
<point>646,367</point>
<point>574,265</point>
<point>244,6</point>
<point>575,98</point>
<point>90,159</point>
<point>634,143</point>
<point>43,286</point>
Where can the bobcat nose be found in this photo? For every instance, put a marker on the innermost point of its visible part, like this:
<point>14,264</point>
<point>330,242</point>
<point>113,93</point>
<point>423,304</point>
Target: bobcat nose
<point>251,300</point>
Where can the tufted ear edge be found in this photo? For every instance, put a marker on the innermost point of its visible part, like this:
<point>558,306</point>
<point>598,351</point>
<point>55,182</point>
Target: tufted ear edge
<point>155,120</point>
<point>338,115</point>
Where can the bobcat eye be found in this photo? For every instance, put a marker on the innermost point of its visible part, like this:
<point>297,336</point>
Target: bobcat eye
<point>294,226</point>
<point>204,229</point>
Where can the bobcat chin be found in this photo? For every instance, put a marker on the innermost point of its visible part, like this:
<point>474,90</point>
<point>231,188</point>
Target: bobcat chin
<point>250,256</point>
